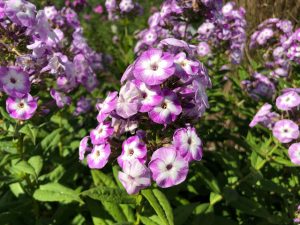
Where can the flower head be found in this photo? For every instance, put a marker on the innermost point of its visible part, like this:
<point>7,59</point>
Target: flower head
<point>100,134</point>
<point>286,130</point>
<point>288,100</point>
<point>98,158</point>
<point>135,176</point>
<point>14,81</point>
<point>21,108</point>
<point>154,67</point>
<point>294,153</point>
<point>133,148</point>
<point>168,167</point>
<point>187,142</point>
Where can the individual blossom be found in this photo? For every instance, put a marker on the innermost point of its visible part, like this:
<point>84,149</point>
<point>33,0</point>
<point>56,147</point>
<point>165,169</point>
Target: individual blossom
<point>261,115</point>
<point>288,100</point>
<point>21,108</point>
<point>128,103</point>
<point>203,49</point>
<point>98,158</point>
<point>294,153</point>
<point>100,134</point>
<point>187,142</point>
<point>167,110</point>
<point>60,98</point>
<point>133,148</point>
<point>154,67</point>
<point>98,9</point>
<point>126,6</point>
<point>14,81</point>
<point>286,130</point>
<point>83,105</point>
<point>168,168</point>
<point>150,96</point>
<point>185,66</point>
<point>109,104</point>
<point>135,176</point>
<point>83,147</point>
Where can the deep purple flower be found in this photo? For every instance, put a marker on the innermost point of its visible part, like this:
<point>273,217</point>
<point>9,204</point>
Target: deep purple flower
<point>188,143</point>
<point>98,158</point>
<point>288,101</point>
<point>83,105</point>
<point>154,67</point>
<point>101,133</point>
<point>294,153</point>
<point>168,167</point>
<point>286,130</point>
<point>135,176</point>
<point>21,108</point>
<point>168,110</point>
<point>133,148</point>
<point>14,81</point>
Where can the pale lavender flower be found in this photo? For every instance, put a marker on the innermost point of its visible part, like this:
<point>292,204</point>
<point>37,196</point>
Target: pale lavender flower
<point>261,115</point>
<point>108,105</point>
<point>168,167</point>
<point>14,81</point>
<point>126,6</point>
<point>294,153</point>
<point>60,98</point>
<point>264,36</point>
<point>185,66</point>
<point>21,108</point>
<point>187,142</point>
<point>133,148</point>
<point>203,49</point>
<point>101,133</point>
<point>98,158</point>
<point>168,110</point>
<point>288,101</point>
<point>154,67</point>
<point>286,130</point>
<point>135,176</point>
<point>83,105</point>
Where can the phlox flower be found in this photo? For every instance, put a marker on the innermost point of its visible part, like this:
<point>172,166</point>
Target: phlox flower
<point>294,153</point>
<point>109,104</point>
<point>98,158</point>
<point>288,100</point>
<point>100,134</point>
<point>286,130</point>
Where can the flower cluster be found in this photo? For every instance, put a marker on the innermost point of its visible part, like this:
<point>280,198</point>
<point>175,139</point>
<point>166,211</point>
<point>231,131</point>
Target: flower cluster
<point>115,8</point>
<point>275,41</point>
<point>284,125</point>
<point>44,47</point>
<point>163,92</point>
<point>223,27</point>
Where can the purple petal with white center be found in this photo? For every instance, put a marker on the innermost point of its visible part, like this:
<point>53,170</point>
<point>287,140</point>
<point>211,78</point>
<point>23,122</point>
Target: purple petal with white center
<point>98,158</point>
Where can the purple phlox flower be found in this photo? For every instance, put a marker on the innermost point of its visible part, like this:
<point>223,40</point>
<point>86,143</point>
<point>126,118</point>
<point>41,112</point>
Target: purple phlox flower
<point>154,67</point>
<point>149,37</point>
<point>84,147</point>
<point>90,82</point>
<point>264,36</point>
<point>135,176</point>
<point>21,108</point>
<point>127,75</point>
<point>107,106</point>
<point>129,100</point>
<point>98,9</point>
<point>261,115</point>
<point>83,105</point>
<point>126,6</point>
<point>101,133</point>
<point>175,45</point>
<point>124,125</point>
<point>203,49</point>
<point>185,66</point>
<point>20,12</point>
<point>50,12</point>
<point>294,153</point>
<point>150,96</point>
<point>56,63</point>
<point>14,81</point>
<point>98,158</point>
<point>187,142</point>
<point>168,168</point>
<point>133,148</point>
<point>286,130</point>
<point>288,100</point>
<point>60,98</point>
<point>168,110</point>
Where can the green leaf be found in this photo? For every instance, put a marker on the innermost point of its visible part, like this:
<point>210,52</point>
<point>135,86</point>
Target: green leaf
<point>21,167</point>
<point>37,163</point>
<point>183,212</point>
<point>101,178</point>
<point>159,206</point>
<point>108,194</point>
<point>214,198</point>
<point>147,221</point>
<point>51,140</point>
<point>16,189</point>
<point>30,131</point>
<point>165,205</point>
<point>55,192</point>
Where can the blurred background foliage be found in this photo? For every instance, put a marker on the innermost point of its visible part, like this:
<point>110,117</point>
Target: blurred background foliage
<point>244,178</point>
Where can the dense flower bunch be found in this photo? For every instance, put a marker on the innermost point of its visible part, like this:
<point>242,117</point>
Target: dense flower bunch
<point>284,125</point>
<point>275,41</point>
<point>42,48</point>
<point>115,8</point>
<point>223,29</point>
<point>162,93</point>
